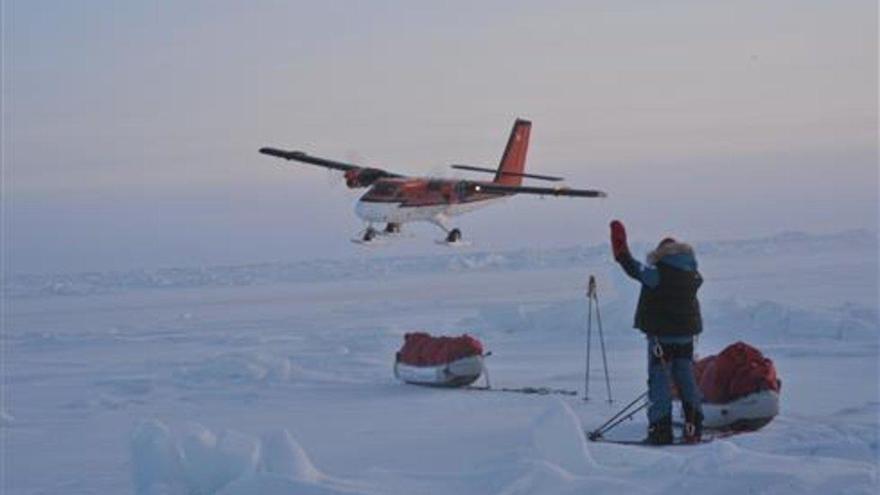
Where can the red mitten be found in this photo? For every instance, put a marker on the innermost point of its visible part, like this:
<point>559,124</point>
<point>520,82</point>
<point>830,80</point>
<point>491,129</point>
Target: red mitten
<point>618,239</point>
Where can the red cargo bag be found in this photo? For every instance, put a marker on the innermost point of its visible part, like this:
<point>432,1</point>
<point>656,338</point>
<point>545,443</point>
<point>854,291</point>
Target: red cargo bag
<point>421,349</point>
<point>739,370</point>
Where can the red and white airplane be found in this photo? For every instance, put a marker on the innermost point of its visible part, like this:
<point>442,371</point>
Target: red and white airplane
<point>395,199</point>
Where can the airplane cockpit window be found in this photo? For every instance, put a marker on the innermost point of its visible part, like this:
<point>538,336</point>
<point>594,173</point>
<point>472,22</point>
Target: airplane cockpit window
<point>384,189</point>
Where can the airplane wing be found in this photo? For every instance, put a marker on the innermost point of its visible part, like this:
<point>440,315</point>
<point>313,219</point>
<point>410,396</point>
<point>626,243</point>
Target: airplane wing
<point>515,174</point>
<point>541,191</point>
<point>304,157</point>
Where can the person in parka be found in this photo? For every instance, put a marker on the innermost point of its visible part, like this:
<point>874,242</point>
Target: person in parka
<point>668,313</point>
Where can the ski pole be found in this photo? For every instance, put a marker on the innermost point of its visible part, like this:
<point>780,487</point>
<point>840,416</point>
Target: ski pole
<point>601,340</point>
<point>591,286</point>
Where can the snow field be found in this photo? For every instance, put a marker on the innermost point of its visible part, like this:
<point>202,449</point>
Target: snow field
<point>285,386</point>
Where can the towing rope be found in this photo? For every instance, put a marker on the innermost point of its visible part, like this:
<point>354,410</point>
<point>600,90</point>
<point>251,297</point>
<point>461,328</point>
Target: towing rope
<point>527,390</point>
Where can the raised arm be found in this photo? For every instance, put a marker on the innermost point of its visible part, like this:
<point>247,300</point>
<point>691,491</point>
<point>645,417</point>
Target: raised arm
<point>647,275</point>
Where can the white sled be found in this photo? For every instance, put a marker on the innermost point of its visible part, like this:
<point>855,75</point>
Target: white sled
<point>458,373</point>
<point>746,413</point>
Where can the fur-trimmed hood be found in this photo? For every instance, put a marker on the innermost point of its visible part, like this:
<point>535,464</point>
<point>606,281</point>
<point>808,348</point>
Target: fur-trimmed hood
<point>670,249</point>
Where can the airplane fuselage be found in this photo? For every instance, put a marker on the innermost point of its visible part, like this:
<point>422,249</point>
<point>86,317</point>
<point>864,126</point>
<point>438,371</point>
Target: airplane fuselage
<point>415,199</point>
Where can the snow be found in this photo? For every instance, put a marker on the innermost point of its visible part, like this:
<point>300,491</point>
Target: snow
<point>200,462</point>
<point>558,438</point>
<point>277,378</point>
<point>284,456</point>
<point>227,368</point>
<point>6,419</point>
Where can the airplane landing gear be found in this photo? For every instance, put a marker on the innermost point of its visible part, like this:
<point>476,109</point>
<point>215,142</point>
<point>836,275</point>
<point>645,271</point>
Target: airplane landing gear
<point>372,236</point>
<point>453,235</point>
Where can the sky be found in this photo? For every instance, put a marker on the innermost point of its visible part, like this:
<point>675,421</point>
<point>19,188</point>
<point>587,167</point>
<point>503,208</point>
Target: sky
<point>130,128</point>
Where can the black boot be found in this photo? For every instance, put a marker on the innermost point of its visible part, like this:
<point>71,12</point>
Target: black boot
<point>693,423</point>
<point>660,432</point>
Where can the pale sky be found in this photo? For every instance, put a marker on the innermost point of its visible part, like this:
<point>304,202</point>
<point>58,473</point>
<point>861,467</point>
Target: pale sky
<point>130,128</point>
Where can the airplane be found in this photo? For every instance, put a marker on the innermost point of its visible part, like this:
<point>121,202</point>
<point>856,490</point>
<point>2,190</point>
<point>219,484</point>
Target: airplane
<point>395,199</point>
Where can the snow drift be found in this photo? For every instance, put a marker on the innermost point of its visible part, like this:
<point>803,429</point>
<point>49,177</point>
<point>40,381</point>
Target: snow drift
<point>200,462</point>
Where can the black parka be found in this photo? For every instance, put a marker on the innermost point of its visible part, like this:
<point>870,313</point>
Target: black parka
<point>670,307</point>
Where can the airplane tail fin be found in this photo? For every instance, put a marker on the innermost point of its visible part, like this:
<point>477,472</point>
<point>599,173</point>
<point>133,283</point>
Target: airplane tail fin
<point>513,162</point>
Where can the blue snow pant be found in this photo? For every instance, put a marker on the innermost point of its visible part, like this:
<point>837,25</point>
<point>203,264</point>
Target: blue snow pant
<point>678,369</point>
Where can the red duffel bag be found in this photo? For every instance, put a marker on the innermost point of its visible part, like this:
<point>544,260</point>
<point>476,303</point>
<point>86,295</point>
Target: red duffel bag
<point>421,349</point>
<point>739,370</point>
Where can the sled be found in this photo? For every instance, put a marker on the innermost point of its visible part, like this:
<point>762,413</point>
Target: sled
<point>439,361</point>
<point>740,388</point>
<point>459,373</point>
<point>751,412</point>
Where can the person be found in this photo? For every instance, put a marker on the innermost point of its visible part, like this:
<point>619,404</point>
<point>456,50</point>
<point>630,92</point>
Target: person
<point>668,313</point>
